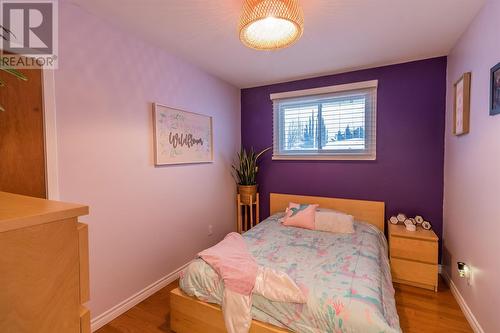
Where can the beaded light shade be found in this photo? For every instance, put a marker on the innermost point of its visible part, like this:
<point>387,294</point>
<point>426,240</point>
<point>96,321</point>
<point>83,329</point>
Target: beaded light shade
<point>271,24</point>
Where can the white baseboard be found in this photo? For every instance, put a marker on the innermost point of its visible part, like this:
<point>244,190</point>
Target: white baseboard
<point>133,300</point>
<point>476,327</point>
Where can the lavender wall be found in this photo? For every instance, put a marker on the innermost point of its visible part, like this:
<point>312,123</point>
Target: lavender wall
<point>472,181</point>
<point>145,222</point>
<point>408,172</point>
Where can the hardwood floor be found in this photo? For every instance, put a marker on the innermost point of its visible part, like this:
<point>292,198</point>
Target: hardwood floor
<point>420,311</point>
<point>150,316</point>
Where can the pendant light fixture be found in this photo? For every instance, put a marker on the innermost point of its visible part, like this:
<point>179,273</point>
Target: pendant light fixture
<point>271,24</point>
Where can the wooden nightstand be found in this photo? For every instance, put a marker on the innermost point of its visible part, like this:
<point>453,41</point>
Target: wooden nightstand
<point>414,256</point>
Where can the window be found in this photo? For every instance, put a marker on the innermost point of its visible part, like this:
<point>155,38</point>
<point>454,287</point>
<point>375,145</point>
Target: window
<point>337,122</point>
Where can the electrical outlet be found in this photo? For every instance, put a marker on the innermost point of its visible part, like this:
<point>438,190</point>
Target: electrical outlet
<point>210,230</point>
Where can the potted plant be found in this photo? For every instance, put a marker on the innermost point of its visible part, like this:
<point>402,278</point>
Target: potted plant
<point>246,174</point>
<point>4,34</point>
<point>14,72</point>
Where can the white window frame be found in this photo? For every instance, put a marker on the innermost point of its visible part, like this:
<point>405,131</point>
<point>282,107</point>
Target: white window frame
<point>370,153</point>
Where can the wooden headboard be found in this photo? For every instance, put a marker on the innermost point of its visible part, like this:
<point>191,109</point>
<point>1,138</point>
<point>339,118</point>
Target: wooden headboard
<point>372,212</point>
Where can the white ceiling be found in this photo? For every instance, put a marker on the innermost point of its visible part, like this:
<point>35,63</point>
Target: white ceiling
<point>339,35</point>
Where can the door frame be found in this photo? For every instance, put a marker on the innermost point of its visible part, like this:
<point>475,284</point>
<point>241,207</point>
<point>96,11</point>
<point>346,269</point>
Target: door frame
<point>50,134</point>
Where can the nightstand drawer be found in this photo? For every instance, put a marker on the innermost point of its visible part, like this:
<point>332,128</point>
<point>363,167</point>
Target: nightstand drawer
<point>407,248</point>
<point>412,271</point>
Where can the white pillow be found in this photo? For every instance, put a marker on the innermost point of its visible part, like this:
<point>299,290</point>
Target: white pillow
<point>333,221</point>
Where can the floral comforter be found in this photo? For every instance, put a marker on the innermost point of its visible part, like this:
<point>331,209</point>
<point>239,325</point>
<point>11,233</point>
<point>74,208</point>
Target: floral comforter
<point>346,278</point>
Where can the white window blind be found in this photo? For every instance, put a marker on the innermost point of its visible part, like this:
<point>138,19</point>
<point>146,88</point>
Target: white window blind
<point>337,122</point>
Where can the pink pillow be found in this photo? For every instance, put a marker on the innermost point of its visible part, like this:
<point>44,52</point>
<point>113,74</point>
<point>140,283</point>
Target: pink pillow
<point>301,216</point>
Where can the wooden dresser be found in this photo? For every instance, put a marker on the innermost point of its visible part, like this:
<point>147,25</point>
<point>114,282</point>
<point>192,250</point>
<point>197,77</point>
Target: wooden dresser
<point>44,267</point>
<point>414,256</point>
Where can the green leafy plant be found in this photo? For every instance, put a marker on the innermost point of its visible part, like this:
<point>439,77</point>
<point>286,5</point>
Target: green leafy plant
<point>14,72</point>
<point>5,34</point>
<point>245,171</point>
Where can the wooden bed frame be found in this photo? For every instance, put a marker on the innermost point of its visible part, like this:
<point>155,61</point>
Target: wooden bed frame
<point>190,315</point>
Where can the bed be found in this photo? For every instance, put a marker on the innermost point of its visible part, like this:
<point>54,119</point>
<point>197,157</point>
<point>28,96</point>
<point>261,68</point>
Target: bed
<point>346,277</point>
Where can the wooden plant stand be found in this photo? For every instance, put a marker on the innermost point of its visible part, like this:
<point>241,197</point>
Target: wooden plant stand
<point>248,214</point>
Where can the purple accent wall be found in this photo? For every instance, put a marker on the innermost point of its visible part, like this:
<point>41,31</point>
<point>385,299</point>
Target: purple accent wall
<point>408,172</point>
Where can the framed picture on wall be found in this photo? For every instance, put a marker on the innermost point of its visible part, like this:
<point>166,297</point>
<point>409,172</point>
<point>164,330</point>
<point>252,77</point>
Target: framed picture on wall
<point>181,137</point>
<point>461,114</point>
<point>495,90</point>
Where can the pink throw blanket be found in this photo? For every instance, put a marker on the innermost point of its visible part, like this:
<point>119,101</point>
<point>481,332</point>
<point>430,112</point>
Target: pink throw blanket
<point>234,264</point>
<point>241,275</point>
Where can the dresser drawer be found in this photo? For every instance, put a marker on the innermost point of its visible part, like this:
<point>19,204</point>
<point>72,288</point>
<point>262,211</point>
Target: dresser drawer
<point>84,320</point>
<point>414,249</point>
<point>83,245</point>
<point>419,273</point>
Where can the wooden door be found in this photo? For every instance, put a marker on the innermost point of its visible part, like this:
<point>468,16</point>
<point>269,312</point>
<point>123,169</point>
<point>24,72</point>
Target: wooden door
<point>22,145</point>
